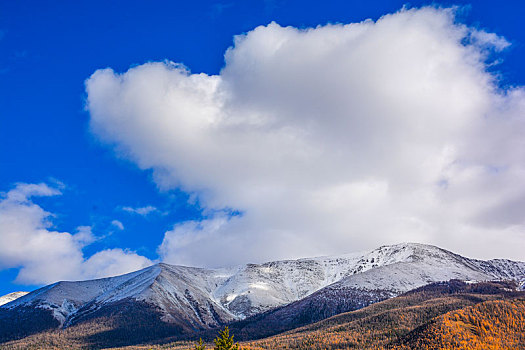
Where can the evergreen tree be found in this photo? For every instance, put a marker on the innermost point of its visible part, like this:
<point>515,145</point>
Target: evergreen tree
<point>200,345</point>
<point>224,341</point>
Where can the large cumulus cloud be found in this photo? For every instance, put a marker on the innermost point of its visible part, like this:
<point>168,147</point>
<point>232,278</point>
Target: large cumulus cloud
<point>330,139</point>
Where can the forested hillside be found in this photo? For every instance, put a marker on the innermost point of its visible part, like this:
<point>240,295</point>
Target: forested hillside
<point>498,324</point>
<point>410,320</point>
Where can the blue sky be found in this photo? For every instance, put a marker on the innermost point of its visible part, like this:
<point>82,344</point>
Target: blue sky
<point>49,48</point>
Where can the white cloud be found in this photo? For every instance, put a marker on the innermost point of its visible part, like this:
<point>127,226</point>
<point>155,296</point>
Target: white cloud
<point>330,139</point>
<point>178,244</point>
<point>142,211</point>
<point>43,255</point>
<point>84,236</point>
<point>113,262</point>
<point>117,224</point>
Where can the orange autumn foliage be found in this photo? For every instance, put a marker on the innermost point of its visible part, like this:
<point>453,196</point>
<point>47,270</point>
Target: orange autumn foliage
<point>498,324</point>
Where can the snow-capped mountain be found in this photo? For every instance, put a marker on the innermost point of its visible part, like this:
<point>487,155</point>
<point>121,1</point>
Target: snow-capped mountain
<point>11,296</point>
<point>196,298</point>
<point>377,275</point>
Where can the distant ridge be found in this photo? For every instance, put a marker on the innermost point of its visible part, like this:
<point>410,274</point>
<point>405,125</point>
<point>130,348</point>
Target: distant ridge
<point>11,296</point>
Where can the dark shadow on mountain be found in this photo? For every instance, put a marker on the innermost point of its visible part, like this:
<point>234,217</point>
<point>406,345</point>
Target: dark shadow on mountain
<point>25,321</point>
<point>128,323</point>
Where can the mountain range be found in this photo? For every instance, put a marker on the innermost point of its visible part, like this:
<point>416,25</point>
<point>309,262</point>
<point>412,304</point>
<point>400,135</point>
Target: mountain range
<point>257,300</point>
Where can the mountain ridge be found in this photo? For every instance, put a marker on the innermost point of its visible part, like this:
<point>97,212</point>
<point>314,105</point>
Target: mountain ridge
<point>196,299</point>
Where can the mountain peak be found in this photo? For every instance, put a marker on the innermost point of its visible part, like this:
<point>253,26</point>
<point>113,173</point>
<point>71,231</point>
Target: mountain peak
<point>199,298</point>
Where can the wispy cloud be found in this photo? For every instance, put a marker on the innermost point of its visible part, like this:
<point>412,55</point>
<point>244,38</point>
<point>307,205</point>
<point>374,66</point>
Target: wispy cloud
<point>142,211</point>
<point>117,224</point>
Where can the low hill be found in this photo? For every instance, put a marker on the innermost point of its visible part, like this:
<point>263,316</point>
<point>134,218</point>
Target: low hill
<point>498,324</point>
<point>397,323</point>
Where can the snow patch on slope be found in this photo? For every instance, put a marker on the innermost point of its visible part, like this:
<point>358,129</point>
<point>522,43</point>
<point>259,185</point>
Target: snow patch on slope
<point>11,297</point>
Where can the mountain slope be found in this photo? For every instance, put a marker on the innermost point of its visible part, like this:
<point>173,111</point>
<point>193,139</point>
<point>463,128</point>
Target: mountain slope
<point>391,324</point>
<point>398,323</point>
<point>272,296</point>
<point>175,295</point>
<point>498,324</point>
